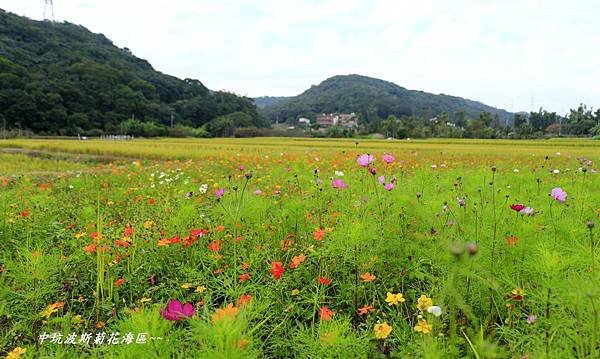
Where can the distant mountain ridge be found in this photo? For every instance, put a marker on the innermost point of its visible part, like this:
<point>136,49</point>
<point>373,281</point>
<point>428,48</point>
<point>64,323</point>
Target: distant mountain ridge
<point>371,98</point>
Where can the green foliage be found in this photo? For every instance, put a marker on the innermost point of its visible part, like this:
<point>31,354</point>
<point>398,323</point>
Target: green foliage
<point>61,79</point>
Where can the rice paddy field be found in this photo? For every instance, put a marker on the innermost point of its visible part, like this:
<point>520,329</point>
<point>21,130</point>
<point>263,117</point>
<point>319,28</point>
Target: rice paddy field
<point>299,248</point>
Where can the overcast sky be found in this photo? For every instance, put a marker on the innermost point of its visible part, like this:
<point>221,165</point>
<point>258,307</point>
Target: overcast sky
<point>509,54</point>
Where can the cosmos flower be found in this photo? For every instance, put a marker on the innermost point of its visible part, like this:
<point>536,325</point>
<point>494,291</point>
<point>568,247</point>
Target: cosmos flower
<point>424,302</point>
<point>365,160</point>
<point>527,211</point>
<point>435,310</point>
<point>229,312</point>
<point>559,194</point>
<point>517,207</point>
<point>325,313</point>
<point>394,299</point>
<point>16,353</point>
<point>381,179</point>
<point>324,281</point>
<point>339,184</point>
<point>203,188</point>
<point>219,193</point>
<point>382,330</point>
<point>423,327</point>
<point>339,174</point>
<point>389,186</point>
<point>365,310</point>
<point>176,311</point>
<point>277,269</point>
<point>531,319</point>
<point>368,277</point>
<point>387,158</point>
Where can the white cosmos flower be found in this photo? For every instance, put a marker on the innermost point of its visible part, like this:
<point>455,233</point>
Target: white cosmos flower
<point>516,170</point>
<point>339,173</point>
<point>556,172</point>
<point>203,188</point>
<point>435,310</point>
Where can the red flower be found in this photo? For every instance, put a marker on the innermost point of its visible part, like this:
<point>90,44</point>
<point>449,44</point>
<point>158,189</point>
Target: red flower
<point>325,313</point>
<point>151,201</point>
<point>517,207</point>
<point>324,281</point>
<point>198,232</point>
<point>244,277</point>
<point>128,231</point>
<point>319,234</point>
<point>244,299</point>
<point>120,282</point>
<point>25,214</point>
<point>277,269</point>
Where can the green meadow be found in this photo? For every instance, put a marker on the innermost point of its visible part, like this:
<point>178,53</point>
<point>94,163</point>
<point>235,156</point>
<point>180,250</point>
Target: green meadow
<point>299,248</point>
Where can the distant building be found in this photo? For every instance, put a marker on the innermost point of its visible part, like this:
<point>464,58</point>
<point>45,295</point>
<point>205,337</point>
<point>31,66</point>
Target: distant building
<point>347,120</point>
<point>303,121</point>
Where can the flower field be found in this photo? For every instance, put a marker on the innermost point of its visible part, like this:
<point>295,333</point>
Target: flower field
<point>286,248</point>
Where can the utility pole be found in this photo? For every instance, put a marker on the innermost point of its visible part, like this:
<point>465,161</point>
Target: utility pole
<point>171,119</point>
<point>4,127</point>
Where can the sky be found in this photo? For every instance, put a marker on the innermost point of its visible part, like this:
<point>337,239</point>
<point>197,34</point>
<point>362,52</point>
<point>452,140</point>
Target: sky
<point>519,55</point>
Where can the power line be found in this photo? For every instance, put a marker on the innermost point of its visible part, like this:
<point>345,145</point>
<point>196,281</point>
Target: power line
<point>48,10</point>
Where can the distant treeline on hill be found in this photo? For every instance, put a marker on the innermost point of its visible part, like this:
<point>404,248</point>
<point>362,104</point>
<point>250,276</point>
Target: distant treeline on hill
<point>61,79</point>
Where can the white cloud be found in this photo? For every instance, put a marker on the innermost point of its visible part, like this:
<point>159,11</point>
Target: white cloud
<point>500,53</point>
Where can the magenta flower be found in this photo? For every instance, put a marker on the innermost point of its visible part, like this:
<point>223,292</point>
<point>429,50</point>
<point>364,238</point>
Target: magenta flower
<point>338,184</point>
<point>388,158</point>
<point>558,194</point>
<point>219,193</point>
<point>365,160</point>
<point>381,179</point>
<point>177,311</point>
<point>389,186</point>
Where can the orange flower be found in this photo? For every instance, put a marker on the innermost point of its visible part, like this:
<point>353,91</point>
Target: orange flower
<point>365,310</point>
<point>368,277</point>
<point>324,281</point>
<point>244,277</point>
<point>220,228</point>
<point>120,282</point>
<point>512,240</point>
<point>297,260</point>
<point>229,312</point>
<point>214,246</point>
<point>90,249</point>
<point>319,234</point>
<point>325,313</point>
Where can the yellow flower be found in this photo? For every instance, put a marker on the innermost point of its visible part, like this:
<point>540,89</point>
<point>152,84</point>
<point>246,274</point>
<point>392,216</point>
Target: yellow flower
<point>394,299</point>
<point>79,235</point>
<point>148,224</point>
<point>382,330</point>
<point>423,327</point>
<point>186,285</point>
<point>200,289</point>
<point>52,308</point>
<point>295,292</point>
<point>424,302</point>
<point>144,300</point>
<point>16,353</point>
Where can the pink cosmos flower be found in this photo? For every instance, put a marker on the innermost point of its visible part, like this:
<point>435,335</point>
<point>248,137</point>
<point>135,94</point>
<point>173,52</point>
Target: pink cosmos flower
<point>559,194</point>
<point>365,159</point>
<point>177,311</point>
<point>381,179</point>
<point>527,211</point>
<point>257,192</point>
<point>339,184</point>
<point>219,193</point>
<point>388,158</point>
<point>389,186</point>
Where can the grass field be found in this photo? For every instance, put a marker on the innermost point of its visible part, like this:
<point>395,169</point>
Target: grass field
<point>301,248</point>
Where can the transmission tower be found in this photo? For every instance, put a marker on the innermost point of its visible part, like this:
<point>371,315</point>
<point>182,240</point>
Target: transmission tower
<point>48,10</point>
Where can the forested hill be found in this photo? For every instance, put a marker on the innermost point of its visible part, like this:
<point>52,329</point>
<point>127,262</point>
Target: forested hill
<point>372,98</point>
<point>60,78</point>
